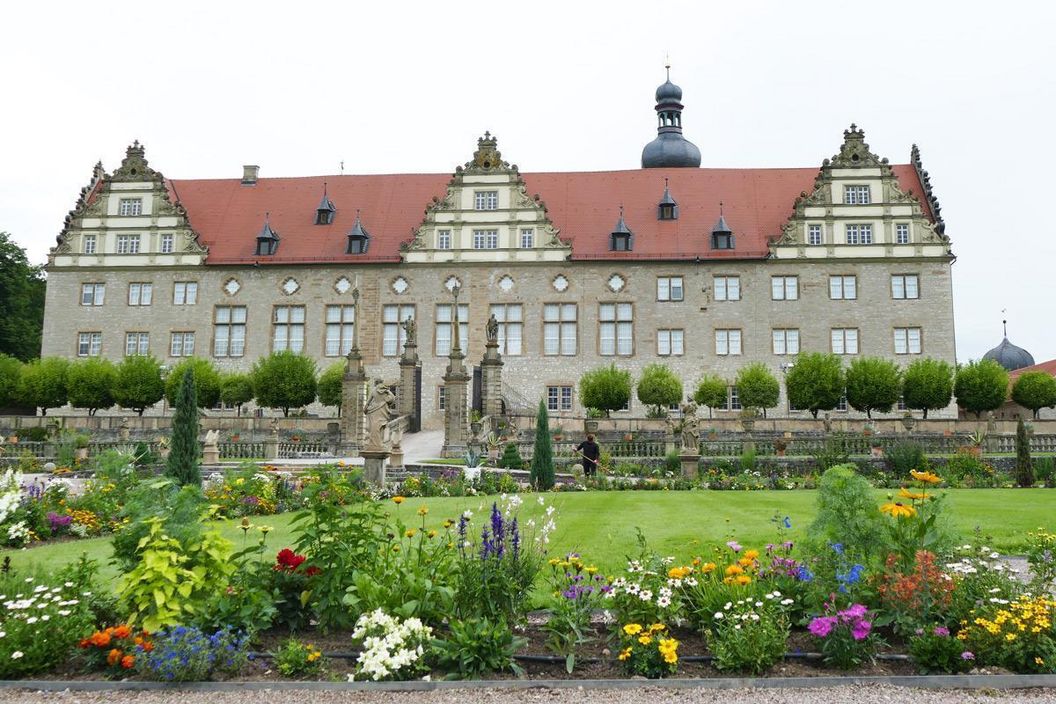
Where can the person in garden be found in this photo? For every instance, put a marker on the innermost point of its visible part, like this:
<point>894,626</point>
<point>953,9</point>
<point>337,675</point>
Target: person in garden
<point>590,452</point>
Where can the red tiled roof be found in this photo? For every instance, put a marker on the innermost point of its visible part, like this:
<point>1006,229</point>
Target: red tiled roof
<point>1047,367</point>
<point>584,206</point>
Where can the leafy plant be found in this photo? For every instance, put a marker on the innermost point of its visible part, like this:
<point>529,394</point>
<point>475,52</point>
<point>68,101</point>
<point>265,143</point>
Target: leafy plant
<point>846,636</point>
<point>981,386</point>
<point>237,390</point>
<point>847,515</point>
<point>935,651</point>
<point>579,590</point>
<point>10,371</point>
<point>606,388</point>
<point>113,650</point>
<point>182,465</point>
<point>247,603</point>
<point>750,636</point>
<point>42,383</point>
<point>1035,390</point>
<point>330,385</point>
<point>475,647</point>
<point>297,659</point>
<point>659,387</point>
<point>1024,466</point>
<point>41,625</point>
<point>392,649</point>
<point>284,380</point>
<point>873,384</point>
<point>90,384</point>
<point>904,456</point>
<point>815,382</point>
<point>182,654</point>
<point>757,387</point>
<point>138,384</point>
<point>648,651</point>
<point>711,391</point>
<point>206,382</point>
<point>511,457</point>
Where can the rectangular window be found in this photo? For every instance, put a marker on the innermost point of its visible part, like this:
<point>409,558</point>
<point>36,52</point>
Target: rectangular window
<point>441,398</point>
<point>843,288</point>
<point>841,405</point>
<point>902,233</point>
<point>813,234</point>
<point>229,331</point>
<point>856,195</point>
<point>527,238</point>
<point>185,293</point>
<point>733,400</point>
<point>859,234</point>
<point>181,344</point>
<point>511,327</point>
<point>487,200</point>
<point>727,342</point>
<point>559,398</point>
<point>130,206</point>
<point>166,243</point>
<point>560,329</point>
<point>392,333</point>
<point>89,244</point>
<point>89,344</point>
<point>93,294</point>
<point>443,239</point>
<point>727,288</point>
<point>485,239</point>
<point>669,288</point>
<point>128,244</point>
<point>786,342</point>
<point>288,332</point>
<point>140,294</point>
<point>670,342</point>
<point>444,320</point>
<point>340,321</point>
<point>845,341</point>
<point>137,343</point>
<point>905,286</point>
<point>901,406</point>
<point>616,333</point>
<point>784,288</point>
<point>907,340</point>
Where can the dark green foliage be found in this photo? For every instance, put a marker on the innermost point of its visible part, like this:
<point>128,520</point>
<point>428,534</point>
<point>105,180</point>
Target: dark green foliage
<point>90,384</point>
<point>1024,466</point>
<point>1035,390</point>
<point>43,383</point>
<point>179,507</point>
<point>139,384</point>
<point>981,386</point>
<point>873,384</point>
<point>10,371</point>
<point>659,387</point>
<point>815,382</point>
<point>543,453</point>
<point>927,385</point>
<point>284,380</point>
<point>330,385</point>
<point>477,647</point>
<point>22,291</point>
<point>236,389</point>
<point>206,382</point>
<point>1045,471</point>
<point>511,457</point>
<point>182,465</point>
<point>711,391</point>
<point>606,389</point>
<point>757,387</point>
<point>904,456</point>
<point>848,515</point>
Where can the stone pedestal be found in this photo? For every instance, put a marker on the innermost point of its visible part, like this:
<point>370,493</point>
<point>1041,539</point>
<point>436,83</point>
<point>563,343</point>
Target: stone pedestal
<point>491,380</point>
<point>271,445</point>
<point>374,466</point>
<point>690,465</point>
<point>353,396</point>
<point>396,457</point>
<point>211,454</point>
<point>408,392</point>
<point>456,382</point>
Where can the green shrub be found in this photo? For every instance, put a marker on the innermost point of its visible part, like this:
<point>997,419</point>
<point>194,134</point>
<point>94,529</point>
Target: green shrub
<point>873,384</point>
<point>981,386</point>
<point>206,381</point>
<point>927,385</point>
<point>542,454</point>
<point>847,514</point>
<point>138,384</point>
<point>1035,390</point>
<point>1045,470</point>
<point>757,387</point>
<point>182,465</point>
<point>476,647</point>
<point>748,638</point>
<point>969,470</point>
<point>672,463</point>
<point>161,498</point>
<point>901,457</point>
<point>659,387</point>
<point>815,382</point>
<point>284,380</point>
<point>1024,466</point>
<point>711,391</point>
<point>511,457</point>
<point>606,389</point>
<point>297,659</point>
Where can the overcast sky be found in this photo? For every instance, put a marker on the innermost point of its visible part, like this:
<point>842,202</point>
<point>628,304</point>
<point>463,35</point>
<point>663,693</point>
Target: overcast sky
<point>408,87</point>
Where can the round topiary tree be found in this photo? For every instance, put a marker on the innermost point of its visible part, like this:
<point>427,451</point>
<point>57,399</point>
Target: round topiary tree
<point>139,384</point>
<point>606,389</point>
<point>711,391</point>
<point>873,384</point>
<point>981,386</point>
<point>10,371</point>
<point>235,390</point>
<point>542,474</point>
<point>660,388</point>
<point>42,383</point>
<point>330,383</point>
<point>284,380</point>
<point>757,387</point>
<point>90,384</point>
<point>206,382</point>
<point>927,385</point>
<point>1034,391</point>
<point>815,382</point>
<point>182,464</point>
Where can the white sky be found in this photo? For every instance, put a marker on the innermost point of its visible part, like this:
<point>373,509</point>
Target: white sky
<point>408,87</point>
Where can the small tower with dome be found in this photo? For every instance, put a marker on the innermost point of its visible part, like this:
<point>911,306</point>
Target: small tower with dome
<point>1008,355</point>
<point>670,148</point>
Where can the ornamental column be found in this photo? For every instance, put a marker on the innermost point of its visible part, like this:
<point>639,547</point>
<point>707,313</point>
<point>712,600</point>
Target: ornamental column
<point>353,389</point>
<point>408,375</point>
<point>491,373</point>
<point>456,383</point>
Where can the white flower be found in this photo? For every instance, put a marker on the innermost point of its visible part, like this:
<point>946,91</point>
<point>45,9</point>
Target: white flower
<point>663,602</point>
<point>467,514</point>
<point>64,612</point>
<point>31,620</point>
<point>786,602</point>
<point>755,617</point>
<point>645,595</point>
<point>541,500</point>
<point>17,655</point>
<point>719,614</point>
<point>3,633</point>
<point>738,627</point>
<point>728,606</point>
<point>691,581</point>
<point>994,555</point>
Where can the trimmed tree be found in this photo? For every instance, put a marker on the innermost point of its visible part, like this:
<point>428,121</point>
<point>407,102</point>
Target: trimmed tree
<point>43,383</point>
<point>206,382</point>
<point>10,372</point>
<point>235,390</point>
<point>284,380</point>
<point>757,387</point>
<point>330,383</point>
<point>927,385</point>
<point>139,384</point>
<point>659,387</point>
<point>1024,465</point>
<point>182,465</point>
<point>1034,390</point>
<point>605,388</point>
<point>815,382</point>
<point>873,384</point>
<point>542,474</point>
<point>981,386</point>
<point>711,391</point>
<point>90,384</point>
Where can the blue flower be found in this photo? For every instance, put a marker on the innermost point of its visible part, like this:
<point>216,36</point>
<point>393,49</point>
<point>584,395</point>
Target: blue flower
<point>804,575</point>
<point>787,522</point>
<point>837,548</point>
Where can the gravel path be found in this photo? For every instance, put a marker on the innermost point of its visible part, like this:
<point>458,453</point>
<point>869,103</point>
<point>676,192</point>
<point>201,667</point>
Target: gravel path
<point>855,694</point>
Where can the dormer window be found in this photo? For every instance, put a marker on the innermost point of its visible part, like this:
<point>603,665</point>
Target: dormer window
<point>621,239</point>
<point>358,239</point>
<point>267,240</point>
<point>486,200</point>
<point>667,208</point>
<point>856,195</point>
<point>324,214</point>
<point>722,235</point>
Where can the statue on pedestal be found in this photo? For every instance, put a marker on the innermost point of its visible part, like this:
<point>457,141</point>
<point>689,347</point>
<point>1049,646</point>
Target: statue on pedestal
<point>410,329</point>
<point>492,330</point>
<point>690,428</point>
<point>377,411</point>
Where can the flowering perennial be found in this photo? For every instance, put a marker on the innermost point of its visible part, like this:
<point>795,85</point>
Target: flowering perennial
<point>392,649</point>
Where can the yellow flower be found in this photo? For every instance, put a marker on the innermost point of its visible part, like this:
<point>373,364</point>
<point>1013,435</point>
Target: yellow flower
<point>670,658</point>
<point>743,580</point>
<point>1039,661</point>
<point>592,570</point>
<point>679,572</point>
<point>657,627</point>
<point>632,629</point>
<point>410,532</point>
<point>625,653</point>
<point>448,523</point>
<point>707,567</point>
<point>898,510</point>
<point>734,570</point>
<point>926,477</point>
<point>554,562</point>
<point>745,562</point>
<point>395,548</point>
<point>1010,637</point>
<point>911,495</point>
<point>397,500</point>
<point>423,510</point>
<point>751,555</point>
<point>645,640</point>
<point>431,534</point>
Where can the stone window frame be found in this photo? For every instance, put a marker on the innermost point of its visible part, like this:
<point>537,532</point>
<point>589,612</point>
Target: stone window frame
<point>843,341</point>
<point>231,324</point>
<point>132,242</point>
<point>905,279</point>
<point>138,346</point>
<point>186,285</point>
<point>86,240</point>
<point>441,398</point>
<point>560,323</point>
<point>167,244</point>
<point>341,323</point>
<point>670,278</point>
<point>443,238</point>
<point>784,279</point>
<point>503,350</point>
<point>726,287</point>
<point>671,342</point>
<point>290,325</point>
<point>395,325</point>
<point>489,238</point>
<point>135,204</point>
<point>529,233</point>
<point>729,348</point>
<point>286,280</point>
<point>93,344</point>
<point>486,200</point>
<point>785,332</point>
<point>843,287</point>
<point>146,287</point>
<point>908,346</point>
<point>183,343</point>
<point>564,402</point>
<point>857,194</point>
<point>561,277</point>
<point>229,279</point>
<point>98,298</point>
<point>903,228</point>
<point>812,229</point>
<point>616,321</point>
<point>862,233</point>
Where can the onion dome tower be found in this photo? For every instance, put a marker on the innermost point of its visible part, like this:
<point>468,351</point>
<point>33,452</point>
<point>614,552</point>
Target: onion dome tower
<point>670,148</point>
<point>1008,355</point>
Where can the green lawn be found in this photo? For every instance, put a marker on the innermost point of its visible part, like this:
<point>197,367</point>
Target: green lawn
<point>601,525</point>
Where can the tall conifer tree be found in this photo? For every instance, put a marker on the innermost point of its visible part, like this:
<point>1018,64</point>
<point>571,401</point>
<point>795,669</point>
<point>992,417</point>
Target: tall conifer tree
<point>182,466</point>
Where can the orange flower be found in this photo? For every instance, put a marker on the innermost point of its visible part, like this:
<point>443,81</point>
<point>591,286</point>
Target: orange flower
<point>113,657</point>
<point>128,661</point>
<point>734,570</point>
<point>397,500</point>
<point>147,646</point>
<point>911,495</point>
<point>926,477</point>
<point>751,555</point>
<point>707,567</point>
<point>898,510</point>
<point>100,639</point>
<point>122,631</point>
<point>743,580</point>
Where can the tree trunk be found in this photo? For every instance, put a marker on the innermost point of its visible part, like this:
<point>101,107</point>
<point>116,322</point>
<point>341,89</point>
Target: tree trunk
<point>285,412</point>
<point>925,414</point>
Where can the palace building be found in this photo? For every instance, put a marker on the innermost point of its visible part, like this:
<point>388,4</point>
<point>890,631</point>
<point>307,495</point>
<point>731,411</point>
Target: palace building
<point>705,270</point>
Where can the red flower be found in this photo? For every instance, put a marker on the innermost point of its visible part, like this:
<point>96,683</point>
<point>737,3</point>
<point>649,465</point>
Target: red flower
<point>312,571</point>
<point>288,560</point>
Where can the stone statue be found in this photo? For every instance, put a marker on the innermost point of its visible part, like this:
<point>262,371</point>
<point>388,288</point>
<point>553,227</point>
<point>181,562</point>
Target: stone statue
<point>410,328</point>
<point>377,410</point>
<point>212,437</point>
<point>690,428</point>
<point>492,330</point>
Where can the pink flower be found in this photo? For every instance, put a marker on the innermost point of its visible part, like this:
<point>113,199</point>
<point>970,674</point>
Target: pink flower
<point>734,545</point>
<point>967,655</point>
<point>821,626</point>
<point>941,631</point>
<point>860,630</point>
<point>854,612</point>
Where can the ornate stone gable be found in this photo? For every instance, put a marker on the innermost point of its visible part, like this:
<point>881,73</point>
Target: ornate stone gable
<point>486,214</point>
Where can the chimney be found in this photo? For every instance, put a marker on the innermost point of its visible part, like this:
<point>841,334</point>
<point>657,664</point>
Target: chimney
<point>249,174</point>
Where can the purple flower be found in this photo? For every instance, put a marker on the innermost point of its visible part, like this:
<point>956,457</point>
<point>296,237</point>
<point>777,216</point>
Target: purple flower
<point>734,545</point>
<point>787,545</point>
<point>250,500</point>
<point>821,626</point>
<point>967,655</point>
<point>861,629</point>
<point>855,611</point>
<point>58,521</point>
<point>941,631</point>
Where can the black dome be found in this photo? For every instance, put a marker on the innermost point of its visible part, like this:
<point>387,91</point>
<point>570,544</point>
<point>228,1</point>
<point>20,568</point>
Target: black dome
<point>668,92</point>
<point>670,149</point>
<point>1009,356</point>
